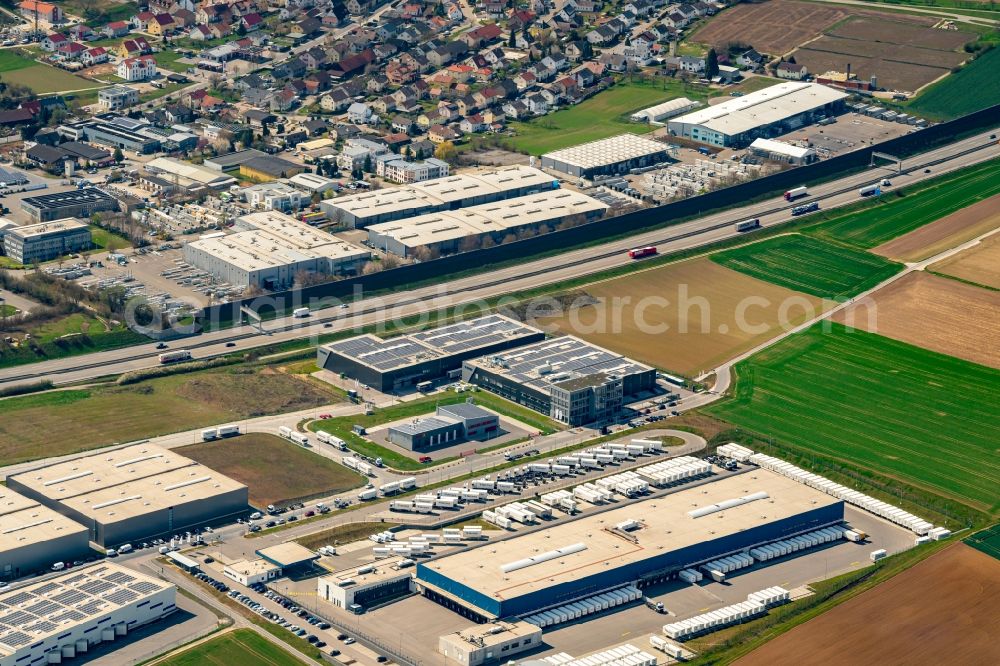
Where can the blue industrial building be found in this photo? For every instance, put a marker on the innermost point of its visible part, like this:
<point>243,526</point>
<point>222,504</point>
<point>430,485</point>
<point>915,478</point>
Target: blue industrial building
<point>514,577</point>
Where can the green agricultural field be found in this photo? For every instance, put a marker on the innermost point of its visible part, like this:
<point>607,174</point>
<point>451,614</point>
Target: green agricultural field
<point>972,88</point>
<point>603,115</point>
<point>809,265</point>
<point>924,418</point>
<point>987,540</point>
<point>242,646</point>
<point>271,467</point>
<point>892,216</point>
<point>103,415</point>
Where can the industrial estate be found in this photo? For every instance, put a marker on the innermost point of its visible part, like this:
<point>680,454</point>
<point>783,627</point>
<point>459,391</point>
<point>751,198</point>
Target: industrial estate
<point>531,333</point>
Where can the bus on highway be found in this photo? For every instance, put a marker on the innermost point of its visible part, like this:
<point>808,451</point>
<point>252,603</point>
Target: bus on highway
<point>748,225</point>
<point>175,356</point>
<point>640,252</point>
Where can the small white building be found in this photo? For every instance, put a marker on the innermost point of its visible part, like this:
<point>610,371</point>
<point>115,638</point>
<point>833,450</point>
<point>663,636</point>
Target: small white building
<point>483,643</point>
<point>367,585</point>
<point>252,572</point>
<point>664,110</point>
<point>779,151</point>
<point>274,196</point>
<point>141,68</point>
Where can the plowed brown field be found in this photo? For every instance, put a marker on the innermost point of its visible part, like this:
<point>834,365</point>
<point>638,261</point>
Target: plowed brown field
<point>707,313</point>
<point>945,610</point>
<point>778,26</point>
<point>979,264</point>
<point>935,313</point>
<point>942,234</point>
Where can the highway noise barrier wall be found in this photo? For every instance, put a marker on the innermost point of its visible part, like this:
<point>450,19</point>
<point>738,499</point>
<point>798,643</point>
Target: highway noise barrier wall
<point>648,218</point>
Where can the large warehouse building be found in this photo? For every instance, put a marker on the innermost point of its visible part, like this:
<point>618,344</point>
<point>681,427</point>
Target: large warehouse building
<point>402,362</point>
<point>446,232</point>
<point>448,193</point>
<point>580,558</point>
<point>766,113</point>
<point>134,493</point>
<point>61,618</point>
<point>34,537</point>
<point>612,156</point>
<point>272,250</point>
<point>570,380</point>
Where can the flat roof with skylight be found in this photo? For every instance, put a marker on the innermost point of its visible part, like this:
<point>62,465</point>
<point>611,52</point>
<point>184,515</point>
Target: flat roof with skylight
<point>573,558</point>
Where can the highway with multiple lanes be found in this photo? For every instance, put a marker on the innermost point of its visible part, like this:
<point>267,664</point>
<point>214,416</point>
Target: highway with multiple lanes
<point>479,288</point>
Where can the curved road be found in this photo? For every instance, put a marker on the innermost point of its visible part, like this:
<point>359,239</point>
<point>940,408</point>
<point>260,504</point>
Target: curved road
<point>490,285</point>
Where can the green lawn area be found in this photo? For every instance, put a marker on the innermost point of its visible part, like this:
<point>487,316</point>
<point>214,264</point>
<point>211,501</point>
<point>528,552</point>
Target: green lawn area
<point>157,93</point>
<point>603,115</point>
<point>169,60</point>
<point>10,61</point>
<point>94,336</point>
<point>242,646</point>
<point>867,401</point>
<point>272,468</point>
<point>7,262</point>
<point>890,216</point>
<point>341,534</point>
<point>45,79</point>
<point>342,426</point>
<point>972,88</point>
<point>101,237</point>
<point>8,310</point>
<point>809,265</point>
<point>107,414</point>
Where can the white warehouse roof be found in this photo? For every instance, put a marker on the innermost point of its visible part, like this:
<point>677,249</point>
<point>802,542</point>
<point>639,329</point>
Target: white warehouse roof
<point>665,109</point>
<point>499,216</point>
<point>440,191</point>
<point>763,107</point>
<point>781,148</point>
<point>605,152</point>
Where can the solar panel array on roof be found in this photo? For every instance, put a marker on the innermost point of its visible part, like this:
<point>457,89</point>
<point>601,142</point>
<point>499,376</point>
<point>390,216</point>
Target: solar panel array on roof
<point>435,343</point>
<point>562,359</point>
<point>32,613</point>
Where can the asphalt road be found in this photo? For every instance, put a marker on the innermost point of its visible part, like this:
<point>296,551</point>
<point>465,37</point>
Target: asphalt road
<point>476,288</point>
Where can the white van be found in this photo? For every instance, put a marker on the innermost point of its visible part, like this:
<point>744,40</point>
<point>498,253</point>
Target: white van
<point>164,550</point>
<point>126,548</point>
<point>58,566</point>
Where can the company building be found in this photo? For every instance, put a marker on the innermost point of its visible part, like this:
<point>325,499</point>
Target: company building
<point>584,557</point>
<point>402,362</point>
<point>58,619</point>
<point>484,643</point>
<point>272,250</point>
<point>446,232</point>
<point>766,113</point>
<point>134,493</point>
<point>367,585</point>
<point>450,425</point>
<point>611,156</point>
<point>570,380</point>
<point>34,537</point>
<point>73,203</point>
<point>35,243</point>
<point>438,194</point>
